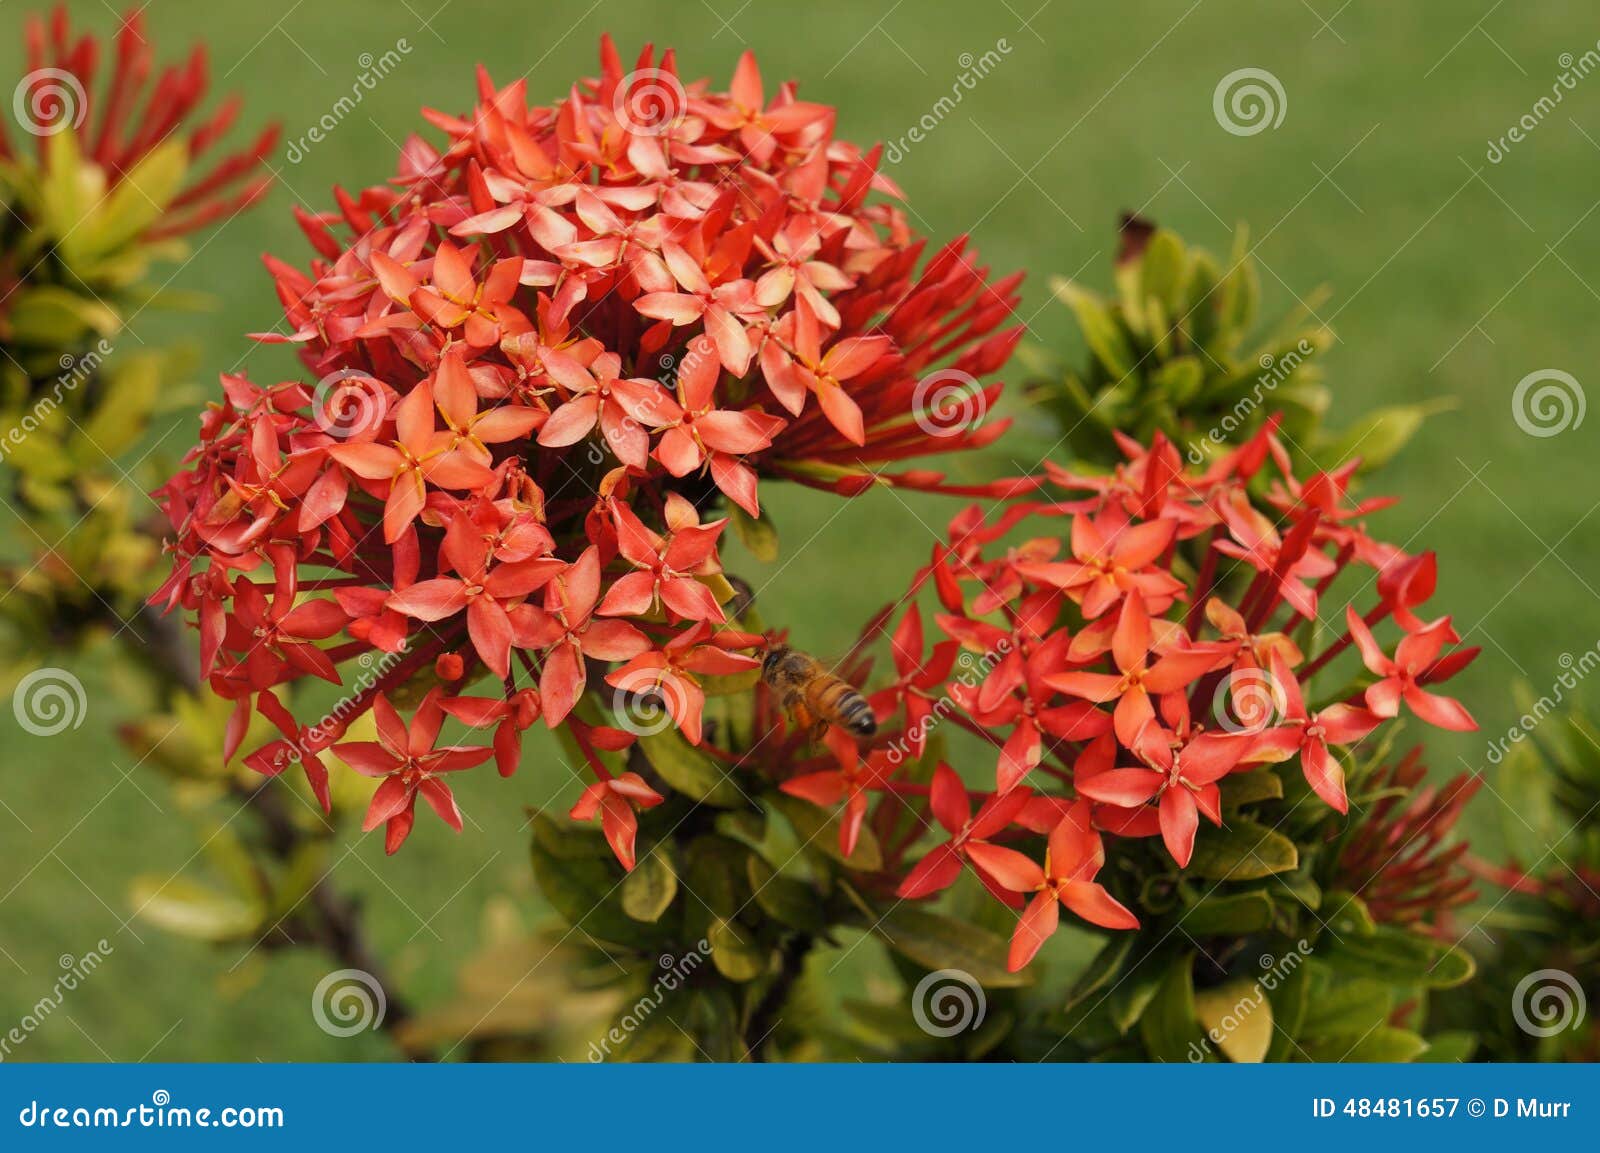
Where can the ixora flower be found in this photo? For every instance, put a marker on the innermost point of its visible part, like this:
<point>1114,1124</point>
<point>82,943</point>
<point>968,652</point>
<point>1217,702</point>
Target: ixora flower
<point>1124,658</point>
<point>555,355</point>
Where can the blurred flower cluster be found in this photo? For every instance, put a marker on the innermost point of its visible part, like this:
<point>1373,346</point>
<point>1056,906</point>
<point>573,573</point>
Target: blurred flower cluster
<point>108,166</point>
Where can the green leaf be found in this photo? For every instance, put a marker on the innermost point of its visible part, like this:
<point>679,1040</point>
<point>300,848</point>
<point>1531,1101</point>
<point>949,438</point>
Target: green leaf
<point>819,831</point>
<point>1291,997</point>
<point>131,388</point>
<point>1237,1017</point>
<point>1168,1027</point>
<point>735,951</point>
<point>1100,331</point>
<point>1102,970</point>
<point>191,909</point>
<point>1403,957</point>
<point>1248,788</point>
<point>1455,1046</point>
<point>1163,267</point>
<point>1230,915</point>
<point>759,535</point>
<point>583,889</point>
<point>1350,1006</point>
<point>1381,1046</point>
<point>935,941</point>
<point>689,770</point>
<point>135,203</point>
<point>57,317</point>
<point>1242,851</point>
<point>1348,915</point>
<point>1376,437</point>
<point>649,889</point>
<point>787,901</point>
<point>1241,288</point>
<point>1179,380</point>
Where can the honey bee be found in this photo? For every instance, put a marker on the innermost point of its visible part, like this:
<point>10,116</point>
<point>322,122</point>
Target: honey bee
<point>813,697</point>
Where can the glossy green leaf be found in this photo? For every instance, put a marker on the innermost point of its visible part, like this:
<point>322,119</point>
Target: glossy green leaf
<point>1228,914</point>
<point>1242,851</point>
<point>758,535</point>
<point>935,941</point>
<point>1169,1027</point>
<point>1237,1018</point>
<point>735,951</point>
<point>819,831</point>
<point>689,770</point>
<point>191,909</point>
<point>648,890</point>
<point>1402,956</point>
<point>1100,331</point>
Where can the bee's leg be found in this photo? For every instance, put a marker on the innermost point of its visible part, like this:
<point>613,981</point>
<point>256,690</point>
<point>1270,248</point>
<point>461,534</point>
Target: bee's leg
<point>805,721</point>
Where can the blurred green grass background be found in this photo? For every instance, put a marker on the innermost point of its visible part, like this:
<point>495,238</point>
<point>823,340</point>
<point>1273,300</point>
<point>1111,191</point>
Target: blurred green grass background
<point>1453,277</point>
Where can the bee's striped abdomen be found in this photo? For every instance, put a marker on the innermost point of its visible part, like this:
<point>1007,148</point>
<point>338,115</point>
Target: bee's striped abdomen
<point>837,701</point>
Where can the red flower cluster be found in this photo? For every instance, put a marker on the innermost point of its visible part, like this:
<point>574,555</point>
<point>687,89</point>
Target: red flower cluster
<point>543,349</point>
<point>57,93</point>
<point>1122,682</point>
<point>1401,859</point>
